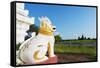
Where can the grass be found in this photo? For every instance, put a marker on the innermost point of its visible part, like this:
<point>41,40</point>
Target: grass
<point>90,50</point>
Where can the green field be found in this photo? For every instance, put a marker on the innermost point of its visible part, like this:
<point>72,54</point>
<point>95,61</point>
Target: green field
<point>90,50</point>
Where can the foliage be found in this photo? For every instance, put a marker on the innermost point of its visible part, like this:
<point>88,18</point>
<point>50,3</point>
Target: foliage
<point>17,46</point>
<point>79,40</point>
<point>58,38</point>
<point>33,28</point>
<point>84,38</point>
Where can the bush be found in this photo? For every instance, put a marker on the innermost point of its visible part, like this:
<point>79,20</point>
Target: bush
<point>17,46</point>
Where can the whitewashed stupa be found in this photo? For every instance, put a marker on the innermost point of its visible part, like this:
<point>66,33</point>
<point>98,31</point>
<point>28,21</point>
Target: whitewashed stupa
<point>23,21</point>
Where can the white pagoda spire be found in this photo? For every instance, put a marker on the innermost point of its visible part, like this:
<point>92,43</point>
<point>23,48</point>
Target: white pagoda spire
<point>23,21</point>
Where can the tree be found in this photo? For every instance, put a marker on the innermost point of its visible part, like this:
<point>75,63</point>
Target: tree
<point>85,38</point>
<point>58,38</point>
<point>82,37</point>
<point>33,28</point>
<point>79,38</point>
<point>17,46</point>
<point>88,38</point>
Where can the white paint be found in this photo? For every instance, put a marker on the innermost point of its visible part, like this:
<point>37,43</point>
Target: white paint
<point>23,21</point>
<point>38,43</point>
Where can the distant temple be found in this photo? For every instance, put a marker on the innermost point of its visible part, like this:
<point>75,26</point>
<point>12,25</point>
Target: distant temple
<point>23,21</point>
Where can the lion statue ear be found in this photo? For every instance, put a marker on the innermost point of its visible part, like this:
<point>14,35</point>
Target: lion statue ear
<point>48,20</point>
<point>41,18</point>
<point>42,24</point>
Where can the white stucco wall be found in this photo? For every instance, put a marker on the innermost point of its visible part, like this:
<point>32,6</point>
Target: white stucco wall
<point>22,22</point>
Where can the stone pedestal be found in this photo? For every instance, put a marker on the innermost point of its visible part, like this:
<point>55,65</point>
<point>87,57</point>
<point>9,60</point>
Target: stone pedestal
<point>51,60</point>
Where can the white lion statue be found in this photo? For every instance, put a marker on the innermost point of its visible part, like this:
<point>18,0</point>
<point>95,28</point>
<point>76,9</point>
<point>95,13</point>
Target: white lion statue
<point>34,50</point>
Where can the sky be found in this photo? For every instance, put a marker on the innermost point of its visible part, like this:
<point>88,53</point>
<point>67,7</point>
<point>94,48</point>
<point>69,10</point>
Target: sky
<point>70,21</point>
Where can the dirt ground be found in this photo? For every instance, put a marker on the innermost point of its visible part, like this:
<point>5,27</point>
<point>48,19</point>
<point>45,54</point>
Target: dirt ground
<point>62,58</point>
